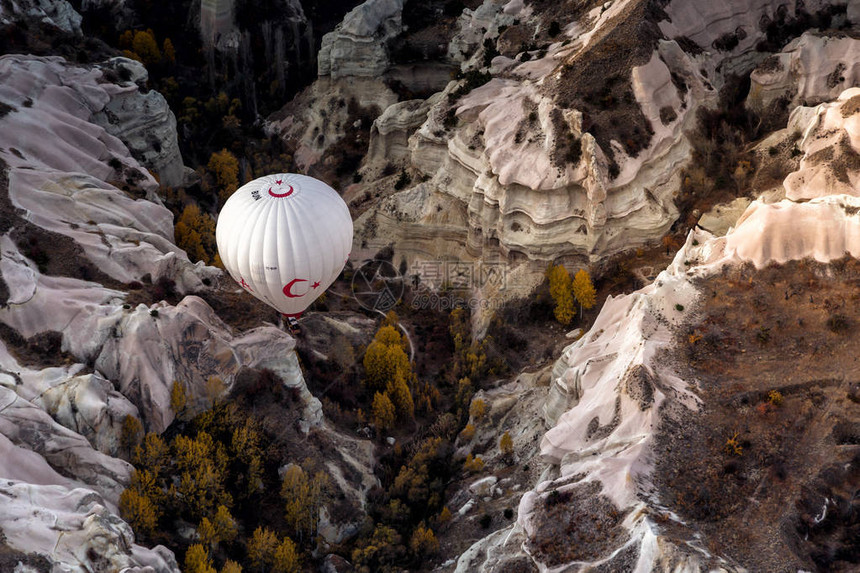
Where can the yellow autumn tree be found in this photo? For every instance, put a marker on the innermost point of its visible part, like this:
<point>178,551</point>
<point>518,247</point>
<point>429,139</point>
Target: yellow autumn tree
<point>561,290</point>
<point>387,370</point>
<point>145,46</point>
<point>423,541</point>
<point>131,433</point>
<point>477,409</point>
<point>470,356</point>
<point>151,454</point>
<point>506,445</point>
<point>225,167</point>
<point>245,445</point>
<point>473,464</point>
<point>145,482</point>
<point>219,529</point>
<point>195,234</point>
<point>201,466</point>
<point>178,399</point>
<point>169,51</point>
<point>261,548</point>
<point>583,290</point>
<point>139,511</point>
<point>225,525</point>
<point>382,412</point>
<point>391,319</point>
<point>231,566</point>
<point>197,560</point>
<point>385,358</point>
<point>286,558</point>
<point>206,532</point>
<point>468,432</point>
<point>398,392</point>
<point>303,496</point>
<point>444,515</point>
<point>382,547</point>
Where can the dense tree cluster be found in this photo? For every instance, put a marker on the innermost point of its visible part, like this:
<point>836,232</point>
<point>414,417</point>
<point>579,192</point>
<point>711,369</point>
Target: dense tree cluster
<point>472,359</point>
<point>565,291</point>
<point>209,472</point>
<point>560,288</point>
<point>400,534</point>
<point>195,234</point>
<point>388,373</point>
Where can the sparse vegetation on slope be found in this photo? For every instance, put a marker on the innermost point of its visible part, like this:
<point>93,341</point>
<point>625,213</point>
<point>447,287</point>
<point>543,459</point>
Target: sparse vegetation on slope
<point>596,82</point>
<point>778,419</point>
<point>233,473</point>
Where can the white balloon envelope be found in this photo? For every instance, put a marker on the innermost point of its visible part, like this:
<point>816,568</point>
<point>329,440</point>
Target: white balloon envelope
<point>284,238</point>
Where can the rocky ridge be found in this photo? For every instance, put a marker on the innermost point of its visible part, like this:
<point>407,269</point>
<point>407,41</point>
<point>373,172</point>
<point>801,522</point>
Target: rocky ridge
<point>527,170</point>
<point>58,13</point>
<point>357,46</point>
<point>613,389</point>
<point>83,239</point>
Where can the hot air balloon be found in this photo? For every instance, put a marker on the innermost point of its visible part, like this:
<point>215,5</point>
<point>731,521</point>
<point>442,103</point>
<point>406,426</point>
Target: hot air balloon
<point>284,238</point>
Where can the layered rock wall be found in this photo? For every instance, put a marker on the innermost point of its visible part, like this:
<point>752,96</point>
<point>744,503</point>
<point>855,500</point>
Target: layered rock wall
<point>613,388</point>
<point>357,46</point>
<point>59,13</point>
<point>65,217</point>
<point>809,70</point>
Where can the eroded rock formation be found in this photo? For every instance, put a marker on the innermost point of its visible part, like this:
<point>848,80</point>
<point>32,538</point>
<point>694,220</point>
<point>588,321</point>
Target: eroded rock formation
<point>619,404</point>
<point>83,238</point>
<point>55,12</point>
<point>569,151</point>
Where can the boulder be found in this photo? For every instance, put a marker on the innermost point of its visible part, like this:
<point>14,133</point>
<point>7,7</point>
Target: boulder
<point>809,70</point>
<point>358,45</point>
<point>143,121</point>
<point>483,486</point>
<point>65,169</point>
<point>74,531</point>
<point>59,13</point>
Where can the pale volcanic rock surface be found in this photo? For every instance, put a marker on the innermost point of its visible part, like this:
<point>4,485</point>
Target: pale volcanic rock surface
<point>809,70</point>
<point>500,163</point>
<point>534,184</point>
<point>143,121</point>
<point>143,349</point>
<point>357,46</point>
<point>60,13</point>
<point>60,164</point>
<point>66,151</point>
<point>72,530</point>
<point>389,135</point>
<point>613,387</point>
<point>830,140</point>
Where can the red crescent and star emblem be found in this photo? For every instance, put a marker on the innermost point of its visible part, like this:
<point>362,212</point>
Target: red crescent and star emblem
<point>244,284</point>
<point>286,193</point>
<point>288,288</point>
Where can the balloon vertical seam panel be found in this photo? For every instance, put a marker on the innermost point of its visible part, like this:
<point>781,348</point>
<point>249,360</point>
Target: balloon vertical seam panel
<point>330,218</point>
<point>293,255</point>
<point>248,239</point>
<point>299,249</point>
<point>319,264</point>
<point>340,229</point>
<point>268,243</point>
<point>227,224</point>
